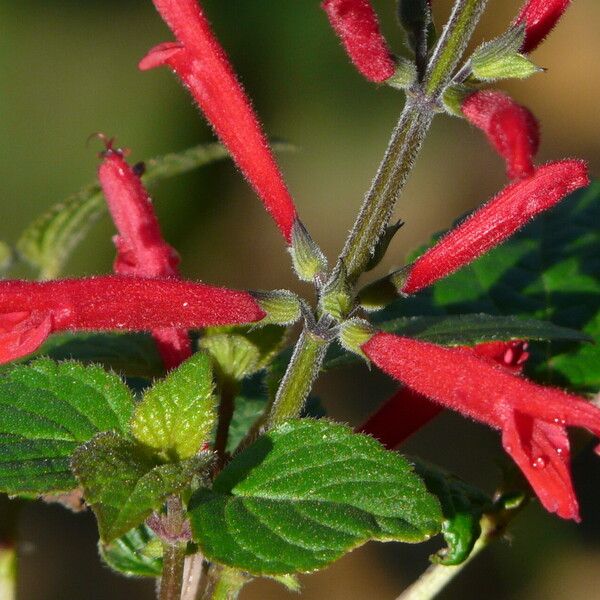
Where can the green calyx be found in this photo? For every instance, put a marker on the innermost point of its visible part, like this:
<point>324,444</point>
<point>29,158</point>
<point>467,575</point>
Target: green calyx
<point>307,258</point>
<point>282,307</point>
<point>354,333</point>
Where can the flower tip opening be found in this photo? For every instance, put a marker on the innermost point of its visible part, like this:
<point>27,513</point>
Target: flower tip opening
<point>160,55</point>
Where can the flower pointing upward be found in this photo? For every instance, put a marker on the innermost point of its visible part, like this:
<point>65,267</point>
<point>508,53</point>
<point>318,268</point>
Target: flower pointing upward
<point>356,24</point>
<point>141,249</point>
<point>202,65</point>
<point>31,311</point>
<point>540,18</point>
<point>532,418</point>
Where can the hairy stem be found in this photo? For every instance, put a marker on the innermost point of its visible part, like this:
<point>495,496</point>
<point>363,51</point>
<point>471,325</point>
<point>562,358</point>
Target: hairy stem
<point>452,44</point>
<point>172,575</point>
<point>387,186</point>
<point>297,382</point>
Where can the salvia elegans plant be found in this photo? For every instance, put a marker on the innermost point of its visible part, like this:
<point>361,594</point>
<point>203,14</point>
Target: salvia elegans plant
<point>179,412</point>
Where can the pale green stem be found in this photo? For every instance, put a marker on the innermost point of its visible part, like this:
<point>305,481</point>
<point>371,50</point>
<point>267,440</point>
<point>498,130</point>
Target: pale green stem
<point>437,577</point>
<point>387,186</point>
<point>8,573</point>
<point>172,575</point>
<point>297,382</point>
<point>452,44</point>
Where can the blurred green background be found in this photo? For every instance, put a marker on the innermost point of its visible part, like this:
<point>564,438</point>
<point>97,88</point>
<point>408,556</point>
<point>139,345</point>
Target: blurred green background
<point>68,69</point>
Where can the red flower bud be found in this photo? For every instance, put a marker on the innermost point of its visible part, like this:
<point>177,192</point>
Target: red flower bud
<point>510,128</point>
<point>141,249</point>
<point>408,411</point>
<point>540,17</point>
<point>497,220</point>
<point>356,24</point>
<point>532,418</point>
<point>30,311</point>
<point>202,65</point>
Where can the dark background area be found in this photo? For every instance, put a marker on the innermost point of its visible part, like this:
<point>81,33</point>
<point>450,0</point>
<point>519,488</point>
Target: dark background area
<point>68,69</point>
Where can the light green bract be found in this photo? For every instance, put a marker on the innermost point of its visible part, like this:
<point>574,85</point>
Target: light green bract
<point>47,409</point>
<point>177,414</point>
<point>306,493</point>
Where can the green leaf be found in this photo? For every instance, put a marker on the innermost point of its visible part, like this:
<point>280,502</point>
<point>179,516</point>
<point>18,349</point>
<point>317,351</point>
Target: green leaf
<point>131,354</point>
<point>47,243</point>
<point>47,409</point>
<point>468,330</point>
<point>462,330</point>
<point>463,506</point>
<point>138,553</point>
<point>124,482</point>
<point>177,414</point>
<point>306,493</point>
<point>549,271</point>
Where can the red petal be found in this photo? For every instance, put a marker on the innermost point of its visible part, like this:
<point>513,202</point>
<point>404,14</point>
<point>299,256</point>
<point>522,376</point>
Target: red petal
<point>497,220</point>
<point>22,333</point>
<point>174,346</point>
<point>356,24</point>
<point>510,128</point>
<point>541,450</point>
<point>540,17</point>
<point>204,68</point>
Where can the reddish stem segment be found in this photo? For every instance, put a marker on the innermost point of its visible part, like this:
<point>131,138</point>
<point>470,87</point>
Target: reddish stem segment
<point>202,65</point>
<point>30,311</point>
<point>355,22</point>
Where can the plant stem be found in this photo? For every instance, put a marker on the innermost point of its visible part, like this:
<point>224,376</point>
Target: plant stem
<point>224,583</point>
<point>193,571</point>
<point>172,575</point>
<point>451,45</point>
<point>297,382</point>
<point>229,390</point>
<point>387,186</point>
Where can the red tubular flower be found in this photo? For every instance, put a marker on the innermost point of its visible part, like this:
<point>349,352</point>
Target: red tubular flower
<point>141,249</point>
<point>30,311</point>
<point>510,128</point>
<point>540,17</point>
<point>408,411</point>
<point>495,221</point>
<point>532,418</point>
<point>356,24</point>
<point>202,65</point>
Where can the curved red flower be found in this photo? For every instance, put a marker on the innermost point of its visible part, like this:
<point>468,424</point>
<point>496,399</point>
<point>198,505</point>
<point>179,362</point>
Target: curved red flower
<point>30,311</point>
<point>356,24</point>
<point>408,411</point>
<point>532,418</point>
<point>202,65</point>
<point>510,128</point>
<point>495,221</point>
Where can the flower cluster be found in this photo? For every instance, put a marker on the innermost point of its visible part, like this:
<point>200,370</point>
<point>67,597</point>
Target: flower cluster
<point>483,382</point>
